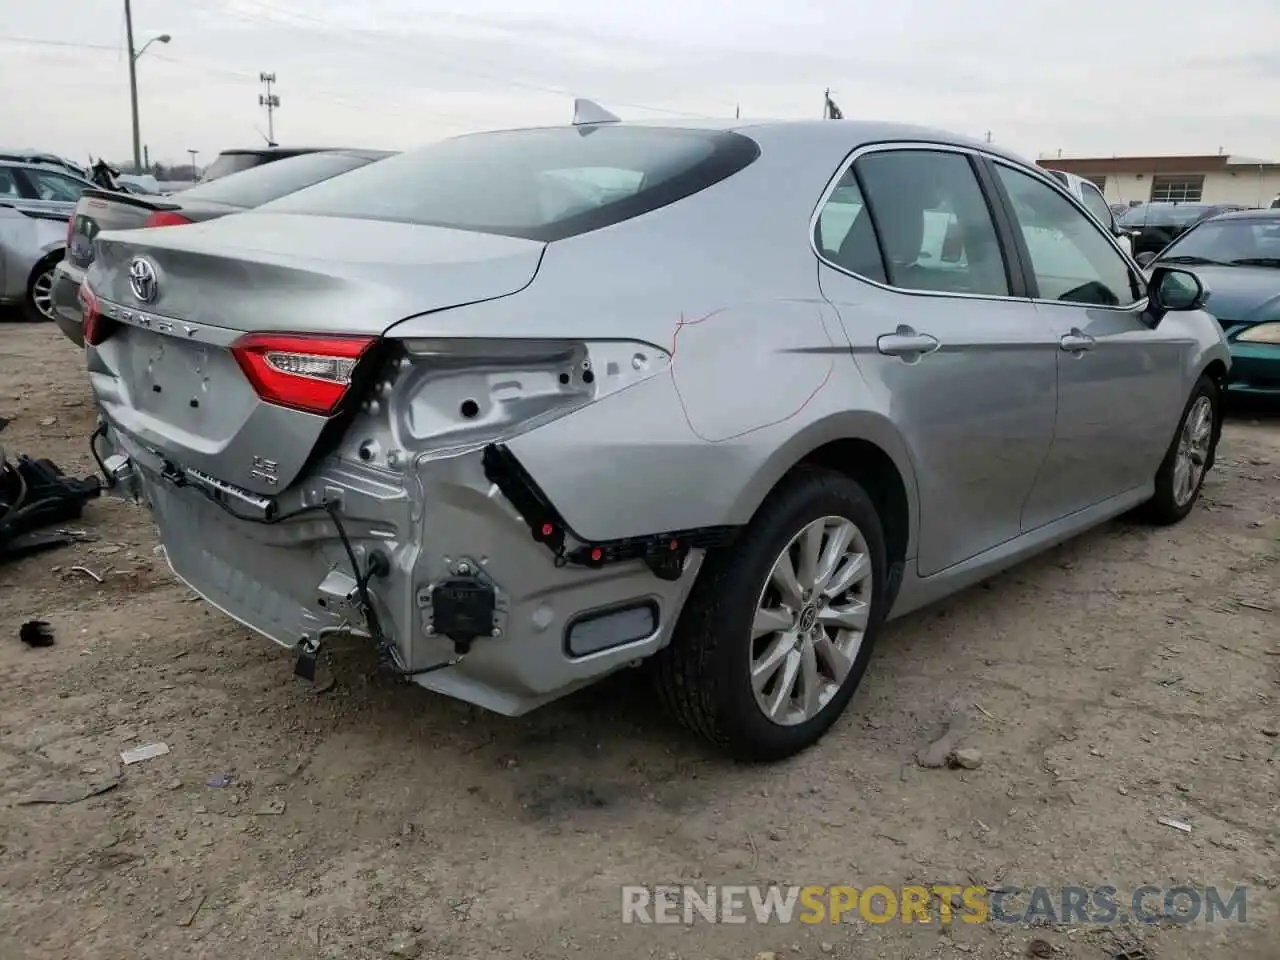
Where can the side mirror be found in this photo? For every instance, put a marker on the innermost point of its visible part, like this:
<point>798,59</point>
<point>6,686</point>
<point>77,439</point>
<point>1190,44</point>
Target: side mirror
<point>1145,258</point>
<point>1171,290</point>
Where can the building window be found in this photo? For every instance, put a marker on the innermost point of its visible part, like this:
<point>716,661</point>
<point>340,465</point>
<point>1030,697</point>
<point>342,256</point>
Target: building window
<point>1100,183</point>
<point>1181,189</point>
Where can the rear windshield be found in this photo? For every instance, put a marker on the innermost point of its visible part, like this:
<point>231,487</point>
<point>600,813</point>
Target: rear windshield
<point>1173,214</point>
<point>270,181</point>
<point>228,163</point>
<point>544,184</point>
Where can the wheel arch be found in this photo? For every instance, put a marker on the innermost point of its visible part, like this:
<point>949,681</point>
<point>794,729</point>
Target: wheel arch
<point>47,259</point>
<point>865,447</point>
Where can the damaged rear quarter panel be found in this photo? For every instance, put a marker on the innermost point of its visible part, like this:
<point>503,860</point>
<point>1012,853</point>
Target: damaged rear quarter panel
<point>761,371</point>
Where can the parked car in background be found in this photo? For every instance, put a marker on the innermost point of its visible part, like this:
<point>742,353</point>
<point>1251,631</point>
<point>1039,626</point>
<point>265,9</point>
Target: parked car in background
<point>1091,197</point>
<point>100,210</point>
<point>1237,257</point>
<point>238,160</point>
<point>435,402</point>
<point>46,159</point>
<point>36,200</point>
<point>1155,225</point>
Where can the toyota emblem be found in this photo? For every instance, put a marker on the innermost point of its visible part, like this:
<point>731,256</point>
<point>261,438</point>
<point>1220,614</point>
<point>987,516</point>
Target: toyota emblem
<point>142,279</point>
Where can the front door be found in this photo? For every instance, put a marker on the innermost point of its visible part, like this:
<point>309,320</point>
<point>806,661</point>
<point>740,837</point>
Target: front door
<point>1119,380</point>
<point>967,372</point>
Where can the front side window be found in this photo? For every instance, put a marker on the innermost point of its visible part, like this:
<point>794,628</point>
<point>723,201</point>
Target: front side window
<point>934,228</point>
<point>1072,259</point>
<point>541,184</point>
<point>54,186</point>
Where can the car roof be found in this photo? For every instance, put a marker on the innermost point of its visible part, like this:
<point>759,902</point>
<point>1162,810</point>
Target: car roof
<point>1264,214</point>
<point>823,133</point>
<point>53,166</point>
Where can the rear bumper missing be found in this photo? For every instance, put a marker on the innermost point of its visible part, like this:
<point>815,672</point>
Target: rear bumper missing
<point>556,626</point>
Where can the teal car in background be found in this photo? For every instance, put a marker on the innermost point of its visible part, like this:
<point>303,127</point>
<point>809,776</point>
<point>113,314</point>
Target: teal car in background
<point>1237,258</point>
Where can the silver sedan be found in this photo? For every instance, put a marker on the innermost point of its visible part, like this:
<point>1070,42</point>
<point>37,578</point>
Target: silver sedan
<point>527,408</point>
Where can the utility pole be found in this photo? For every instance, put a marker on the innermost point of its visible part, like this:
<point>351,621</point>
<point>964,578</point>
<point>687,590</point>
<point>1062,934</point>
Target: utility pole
<point>194,172</point>
<point>988,136</point>
<point>133,79</point>
<point>133,87</point>
<point>272,102</point>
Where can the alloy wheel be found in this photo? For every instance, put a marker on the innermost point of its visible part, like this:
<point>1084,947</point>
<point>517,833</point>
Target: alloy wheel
<point>42,295</point>
<point>1193,450</point>
<point>810,620</point>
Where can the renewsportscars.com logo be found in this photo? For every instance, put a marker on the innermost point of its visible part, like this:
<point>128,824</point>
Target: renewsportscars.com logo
<point>937,903</point>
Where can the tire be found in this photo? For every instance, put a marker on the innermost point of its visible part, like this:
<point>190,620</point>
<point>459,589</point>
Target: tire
<point>40,293</point>
<point>704,674</point>
<point>1176,493</point>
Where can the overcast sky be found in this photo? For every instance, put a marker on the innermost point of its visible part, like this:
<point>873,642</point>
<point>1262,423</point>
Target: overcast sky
<point>1089,77</point>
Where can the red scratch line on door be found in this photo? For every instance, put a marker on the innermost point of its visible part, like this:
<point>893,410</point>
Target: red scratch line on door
<point>675,384</point>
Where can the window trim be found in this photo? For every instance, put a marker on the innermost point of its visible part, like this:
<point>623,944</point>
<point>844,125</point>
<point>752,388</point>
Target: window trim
<point>1006,236</point>
<point>1032,285</point>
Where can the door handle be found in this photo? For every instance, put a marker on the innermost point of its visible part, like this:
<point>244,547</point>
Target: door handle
<point>905,342</point>
<point>1076,341</point>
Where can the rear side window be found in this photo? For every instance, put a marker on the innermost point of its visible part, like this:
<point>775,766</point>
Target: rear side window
<point>47,185</point>
<point>271,181</point>
<point>925,225</point>
<point>844,233</point>
<point>543,184</point>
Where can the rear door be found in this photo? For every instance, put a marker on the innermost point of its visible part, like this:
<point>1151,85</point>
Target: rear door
<point>1118,379</point>
<point>913,259</point>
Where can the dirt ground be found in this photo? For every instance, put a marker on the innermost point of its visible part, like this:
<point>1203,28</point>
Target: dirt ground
<point>1114,681</point>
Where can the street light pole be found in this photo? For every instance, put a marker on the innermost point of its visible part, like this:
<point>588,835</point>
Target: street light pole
<point>133,88</point>
<point>133,80</point>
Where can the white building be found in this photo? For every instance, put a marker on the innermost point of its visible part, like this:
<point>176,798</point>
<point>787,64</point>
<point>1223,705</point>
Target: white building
<point>1212,179</point>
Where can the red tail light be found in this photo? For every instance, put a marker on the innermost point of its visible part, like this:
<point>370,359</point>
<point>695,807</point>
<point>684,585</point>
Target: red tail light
<point>96,327</point>
<point>308,372</point>
<point>166,218</point>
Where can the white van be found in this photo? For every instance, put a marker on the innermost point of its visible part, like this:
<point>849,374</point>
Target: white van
<point>1093,200</point>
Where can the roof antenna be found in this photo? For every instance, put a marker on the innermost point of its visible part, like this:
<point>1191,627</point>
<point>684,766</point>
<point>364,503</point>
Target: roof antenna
<point>586,111</point>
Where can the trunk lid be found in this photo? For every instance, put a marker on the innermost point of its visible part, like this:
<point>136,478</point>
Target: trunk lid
<point>166,372</point>
<point>99,210</point>
<point>300,273</point>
